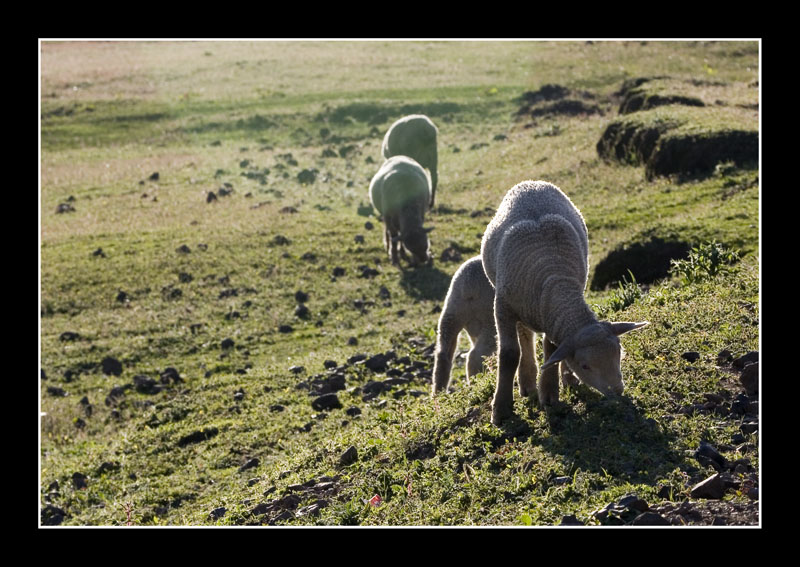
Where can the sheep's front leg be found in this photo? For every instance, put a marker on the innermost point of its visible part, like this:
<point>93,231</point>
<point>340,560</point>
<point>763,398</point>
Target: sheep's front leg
<point>548,381</point>
<point>446,343</point>
<point>508,361</point>
<point>527,365</point>
<point>394,242</point>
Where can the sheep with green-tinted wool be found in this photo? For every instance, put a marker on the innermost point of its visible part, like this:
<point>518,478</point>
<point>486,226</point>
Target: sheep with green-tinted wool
<point>415,136</point>
<point>535,252</point>
<point>400,192</point>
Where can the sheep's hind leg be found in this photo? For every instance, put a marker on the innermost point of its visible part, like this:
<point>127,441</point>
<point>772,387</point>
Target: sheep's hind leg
<point>548,381</point>
<point>446,343</point>
<point>527,365</point>
<point>508,361</point>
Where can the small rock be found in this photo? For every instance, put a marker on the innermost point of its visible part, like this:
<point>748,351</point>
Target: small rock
<point>650,519</point>
<point>633,502</point>
<point>285,329</point>
<point>377,363</point>
<point>353,411</point>
<point>122,297</point>
<point>300,296</point>
<point>570,520</point>
<point>749,379</point>
<point>368,225</point>
<point>153,177</point>
<point>691,356</point>
<point>707,454</point>
<point>349,456</point>
<point>111,366</point>
<point>79,481</point>
<point>725,356</point>
<point>326,402</point>
<point>56,391</point>
<point>352,341</point>
<point>183,249</point>
<point>211,197</point>
<point>64,208</point>
<point>69,336</point>
<point>330,364</point>
<point>297,369</point>
<point>170,375</point>
<point>307,176</point>
<point>746,359</point>
<point>52,515</point>
<point>217,513</point>
<point>238,395</point>
<point>338,271</point>
<point>711,488</point>
<point>145,384</point>
<point>227,343</point>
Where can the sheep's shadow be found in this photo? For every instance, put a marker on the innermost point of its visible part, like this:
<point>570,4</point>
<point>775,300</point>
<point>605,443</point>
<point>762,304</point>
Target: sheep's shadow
<point>612,437</point>
<point>425,282</point>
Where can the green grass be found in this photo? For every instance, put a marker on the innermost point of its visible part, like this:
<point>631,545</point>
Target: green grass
<point>255,116</point>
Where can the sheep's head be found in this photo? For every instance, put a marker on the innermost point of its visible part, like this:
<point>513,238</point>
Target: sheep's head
<point>417,244</point>
<point>594,355</point>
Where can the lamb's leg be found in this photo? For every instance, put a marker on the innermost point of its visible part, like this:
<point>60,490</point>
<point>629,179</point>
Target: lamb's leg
<point>394,242</point>
<point>548,381</point>
<point>482,346</point>
<point>508,361</point>
<point>527,365</point>
<point>446,342</point>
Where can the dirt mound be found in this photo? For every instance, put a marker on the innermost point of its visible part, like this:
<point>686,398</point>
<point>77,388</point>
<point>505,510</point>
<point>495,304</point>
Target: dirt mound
<point>559,100</point>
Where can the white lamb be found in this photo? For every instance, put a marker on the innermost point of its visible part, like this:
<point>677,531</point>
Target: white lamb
<point>469,305</point>
<point>535,252</point>
<point>414,136</point>
<point>400,191</point>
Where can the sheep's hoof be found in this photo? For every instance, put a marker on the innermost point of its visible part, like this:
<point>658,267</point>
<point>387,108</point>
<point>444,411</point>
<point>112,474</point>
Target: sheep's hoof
<point>501,413</point>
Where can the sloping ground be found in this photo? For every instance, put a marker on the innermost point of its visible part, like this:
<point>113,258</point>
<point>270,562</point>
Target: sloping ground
<point>671,130</point>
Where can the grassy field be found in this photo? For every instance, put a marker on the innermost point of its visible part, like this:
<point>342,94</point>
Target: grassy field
<point>141,271</point>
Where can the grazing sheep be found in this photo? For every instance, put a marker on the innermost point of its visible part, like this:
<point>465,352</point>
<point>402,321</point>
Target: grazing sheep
<point>469,305</point>
<point>414,136</point>
<point>535,252</point>
<point>400,191</point>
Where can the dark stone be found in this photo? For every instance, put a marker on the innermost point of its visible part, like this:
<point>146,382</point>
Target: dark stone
<point>211,197</point>
<point>650,519</point>
<point>183,249</point>
<point>571,520</point>
<point>706,454</point>
<point>633,502</point>
<point>217,513</point>
<point>107,466</point>
<point>349,456</point>
<point>352,341</point>
<point>52,515</point>
<point>65,208</point>
<point>353,411</point>
<point>749,378</point>
<point>338,271</point>
<point>69,336</point>
<point>56,391</point>
<point>376,363</point>
<point>227,343</point>
<point>111,366</point>
<point>746,359</point>
<point>307,176</point>
<point>145,384</point>
<point>356,358</point>
<point>302,312</point>
<point>170,375</point>
<point>326,402</point>
<point>330,364</point>
<point>296,369</point>
<point>79,481</point>
<point>691,356</point>
<point>711,488</point>
<point>285,329</point>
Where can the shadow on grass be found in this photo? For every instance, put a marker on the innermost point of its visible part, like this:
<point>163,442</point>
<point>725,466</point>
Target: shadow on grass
<point>612,437</point>
<point>425,282</point>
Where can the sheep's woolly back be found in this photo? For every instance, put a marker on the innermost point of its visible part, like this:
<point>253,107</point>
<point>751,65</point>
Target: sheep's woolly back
<point>535,253</point>
<point>399,183</point>
<point>414,136</point>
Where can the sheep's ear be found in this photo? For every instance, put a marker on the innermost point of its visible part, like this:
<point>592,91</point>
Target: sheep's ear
<point>428,228</point>
<point>562,352</point>
<point>622,327</point>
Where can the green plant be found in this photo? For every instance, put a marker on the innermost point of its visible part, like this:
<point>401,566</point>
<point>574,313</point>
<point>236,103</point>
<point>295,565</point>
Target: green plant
<point>626,294</point>
<point>704,261</point>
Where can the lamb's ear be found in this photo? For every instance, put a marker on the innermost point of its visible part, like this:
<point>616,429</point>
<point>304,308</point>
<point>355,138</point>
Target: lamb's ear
<point>622,327</point>
<point>563,351</point>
